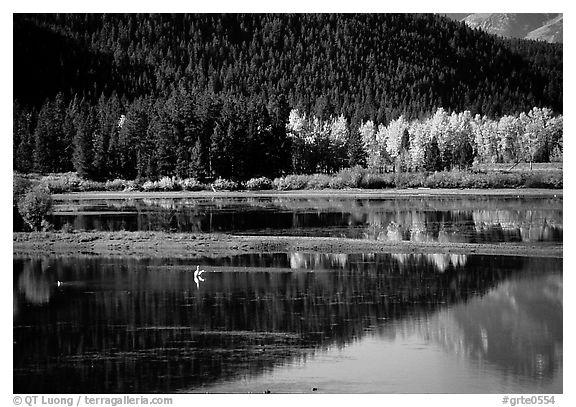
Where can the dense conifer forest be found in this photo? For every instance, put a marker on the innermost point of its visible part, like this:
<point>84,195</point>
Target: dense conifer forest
<point>205,96</point>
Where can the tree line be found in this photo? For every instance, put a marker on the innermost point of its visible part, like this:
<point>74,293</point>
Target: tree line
<point>203,136</point>
<point>441,141</point>
<point>186,135</point>
<point>446,141</point>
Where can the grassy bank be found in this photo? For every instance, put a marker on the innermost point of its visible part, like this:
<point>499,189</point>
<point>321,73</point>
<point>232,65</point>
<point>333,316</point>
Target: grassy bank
<point>349,178</point>
<point>318,193</point>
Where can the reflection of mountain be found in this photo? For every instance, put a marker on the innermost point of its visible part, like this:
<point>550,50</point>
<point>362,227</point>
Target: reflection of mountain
<point>140,326</point>
<point>516,327</point>
<point>462,220</point>
<point>493,343</point>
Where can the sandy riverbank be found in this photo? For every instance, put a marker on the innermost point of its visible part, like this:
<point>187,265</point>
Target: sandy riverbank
<point>186,245</point>
<point>344,193</point>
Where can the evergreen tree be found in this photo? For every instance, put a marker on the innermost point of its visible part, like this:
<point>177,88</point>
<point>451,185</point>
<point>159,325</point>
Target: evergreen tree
<point>69,129</point>
<point>165,145</point>
<point>83,150</point>
<point>405,142</point>
<point>465,154</point>
<point>45,140</point>
<point>113,159</point>
<point>196,169</point>
<point>23,142</point>
<point>356,154</point>
<point>403,159</point>
<point>279,143</point>
<point>64,137</point>
<point>218,158</point>
<point>433,161</point>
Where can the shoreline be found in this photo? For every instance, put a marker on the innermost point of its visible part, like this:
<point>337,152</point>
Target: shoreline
<point>345,193</point>
<point>190,245</point>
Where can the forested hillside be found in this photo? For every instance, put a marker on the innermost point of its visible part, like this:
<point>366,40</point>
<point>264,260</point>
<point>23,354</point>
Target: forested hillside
<point>210,95</point>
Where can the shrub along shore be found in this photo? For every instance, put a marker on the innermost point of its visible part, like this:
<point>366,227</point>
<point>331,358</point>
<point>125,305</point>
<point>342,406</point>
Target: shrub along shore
<point>348,178</point>
<point>32,193</point>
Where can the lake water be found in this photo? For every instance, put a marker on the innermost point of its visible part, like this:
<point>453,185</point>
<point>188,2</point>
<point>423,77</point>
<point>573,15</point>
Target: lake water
<point>478,219</point>
<point>290,322</point>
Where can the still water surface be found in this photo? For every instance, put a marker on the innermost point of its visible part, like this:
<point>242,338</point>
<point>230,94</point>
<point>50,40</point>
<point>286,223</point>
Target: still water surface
<point>288,322</point>
<point>432,219</point>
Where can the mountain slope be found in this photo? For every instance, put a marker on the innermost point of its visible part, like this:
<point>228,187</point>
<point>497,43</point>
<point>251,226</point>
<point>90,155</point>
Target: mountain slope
<point>550,32</point>
<point>364,66</point>
<point>536,26</point>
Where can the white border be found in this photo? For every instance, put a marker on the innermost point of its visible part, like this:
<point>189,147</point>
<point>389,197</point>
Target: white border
<point>294,6</point>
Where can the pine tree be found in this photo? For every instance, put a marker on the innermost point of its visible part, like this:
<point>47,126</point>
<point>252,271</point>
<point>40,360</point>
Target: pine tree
<point>132,146</point>
<point>64,139</point>
<point>23,139</point>
<point>69,129</point>
<point>432,159</point>
<point>464,154</point>
<point>101,141</point>
<point>83,150</point>
<point>196,168</point>
<point>356,154</point>
<point>217,152</point>
<point>229,163</point>
<point>279,143</point>
<point>403,159</point>
<point>113,158</point>
<point>44,140</point>
<point>165,145</point>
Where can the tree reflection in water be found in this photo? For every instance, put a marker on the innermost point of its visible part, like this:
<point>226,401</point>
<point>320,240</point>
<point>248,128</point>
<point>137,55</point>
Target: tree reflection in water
<point>36,282</point>
<point>142,326</point>
<point>431,219</point>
